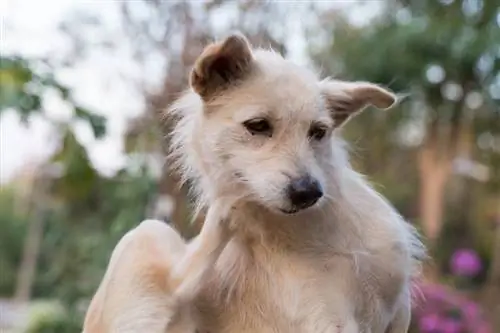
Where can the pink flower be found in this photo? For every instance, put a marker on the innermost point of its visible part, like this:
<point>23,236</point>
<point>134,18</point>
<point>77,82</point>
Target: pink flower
<point>465,262</point>
<point>441,309</point>
<point>449,325</point>
<point>470,310</point>
<point>429,323</point>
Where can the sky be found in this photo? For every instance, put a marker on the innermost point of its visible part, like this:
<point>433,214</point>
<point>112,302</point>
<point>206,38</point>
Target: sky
<point>30,28</point>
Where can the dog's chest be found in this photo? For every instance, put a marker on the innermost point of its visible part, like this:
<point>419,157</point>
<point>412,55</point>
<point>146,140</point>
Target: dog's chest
<point>273,292</point>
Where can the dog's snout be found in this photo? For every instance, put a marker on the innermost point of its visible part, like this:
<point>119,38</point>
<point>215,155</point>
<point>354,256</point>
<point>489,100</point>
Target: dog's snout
<point>304,192</point>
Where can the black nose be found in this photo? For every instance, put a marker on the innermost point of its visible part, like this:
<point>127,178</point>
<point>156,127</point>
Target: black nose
<point>304,192</point>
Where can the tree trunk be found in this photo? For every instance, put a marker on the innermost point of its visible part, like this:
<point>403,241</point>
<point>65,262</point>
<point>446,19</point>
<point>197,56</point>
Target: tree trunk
<point>32,242</point>
<point>431,204</point>
<point>433,173</point>
<point>443,143</point>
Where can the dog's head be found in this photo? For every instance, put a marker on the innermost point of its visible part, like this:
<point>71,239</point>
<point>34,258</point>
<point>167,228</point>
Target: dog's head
<point>257,124</point>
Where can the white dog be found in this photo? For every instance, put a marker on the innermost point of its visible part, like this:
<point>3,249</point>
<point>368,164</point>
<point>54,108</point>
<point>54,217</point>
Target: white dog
<point>294,239</point>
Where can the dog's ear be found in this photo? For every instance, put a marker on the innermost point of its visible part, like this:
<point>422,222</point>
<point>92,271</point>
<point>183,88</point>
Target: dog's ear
<point>346,99</point>
<point>221,64</point>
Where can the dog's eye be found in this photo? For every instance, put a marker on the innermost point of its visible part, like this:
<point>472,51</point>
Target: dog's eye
<point>317,133</point>
<point>258,126</point>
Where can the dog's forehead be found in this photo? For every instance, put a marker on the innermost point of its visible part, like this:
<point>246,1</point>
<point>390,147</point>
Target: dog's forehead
<point>286,88</point>
<point>277,73</point>
<point>278,89</point>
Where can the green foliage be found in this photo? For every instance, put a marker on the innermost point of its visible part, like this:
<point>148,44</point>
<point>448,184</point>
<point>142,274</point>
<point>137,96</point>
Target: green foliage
<point>50,317</point>
<point>22,89</point>
<point>97,123</point>
<point>84,213</point>
<point>79,177</point>
<point>15,75</point>
<point>411,41</point>
<point>79,237</point>
<point>397,48</point>
<point>81,234</point>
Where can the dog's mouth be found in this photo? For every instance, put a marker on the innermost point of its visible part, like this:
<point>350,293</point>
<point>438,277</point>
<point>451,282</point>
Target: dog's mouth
<point>289,211</point>
<point>299,208</point>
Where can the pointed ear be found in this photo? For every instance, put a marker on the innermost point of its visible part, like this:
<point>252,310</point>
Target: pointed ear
<point>346,99</point>
<point>221,64</point>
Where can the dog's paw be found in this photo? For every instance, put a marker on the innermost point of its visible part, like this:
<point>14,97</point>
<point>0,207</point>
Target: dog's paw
<point>217,224</point>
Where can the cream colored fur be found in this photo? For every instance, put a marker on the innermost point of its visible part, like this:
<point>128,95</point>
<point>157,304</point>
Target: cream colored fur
<point>344,265</point>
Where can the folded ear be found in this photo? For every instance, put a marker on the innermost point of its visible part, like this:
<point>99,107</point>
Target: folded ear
<point>346,99</point>
<point>221,64</point>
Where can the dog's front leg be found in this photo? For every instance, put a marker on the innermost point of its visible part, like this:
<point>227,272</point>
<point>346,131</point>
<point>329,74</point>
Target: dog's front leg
<point>202,252</point>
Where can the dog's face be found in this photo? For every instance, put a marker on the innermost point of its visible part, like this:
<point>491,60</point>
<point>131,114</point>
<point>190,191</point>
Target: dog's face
<point>267,124</point>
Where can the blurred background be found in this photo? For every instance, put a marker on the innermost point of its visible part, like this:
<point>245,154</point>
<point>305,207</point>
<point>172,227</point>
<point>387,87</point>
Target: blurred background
<point>83,85</point>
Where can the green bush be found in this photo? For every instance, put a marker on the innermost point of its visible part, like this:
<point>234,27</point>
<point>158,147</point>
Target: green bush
<point>51,317</point>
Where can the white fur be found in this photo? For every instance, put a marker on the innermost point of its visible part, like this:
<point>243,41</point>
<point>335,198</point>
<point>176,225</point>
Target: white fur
<point>344,265</point>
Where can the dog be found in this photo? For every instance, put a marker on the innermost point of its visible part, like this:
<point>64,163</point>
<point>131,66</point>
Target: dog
<point>294,239</point>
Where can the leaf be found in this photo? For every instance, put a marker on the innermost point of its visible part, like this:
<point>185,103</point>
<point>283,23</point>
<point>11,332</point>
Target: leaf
<point>15,79</point>
<point>79,176</point>
<point>97,122</point>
